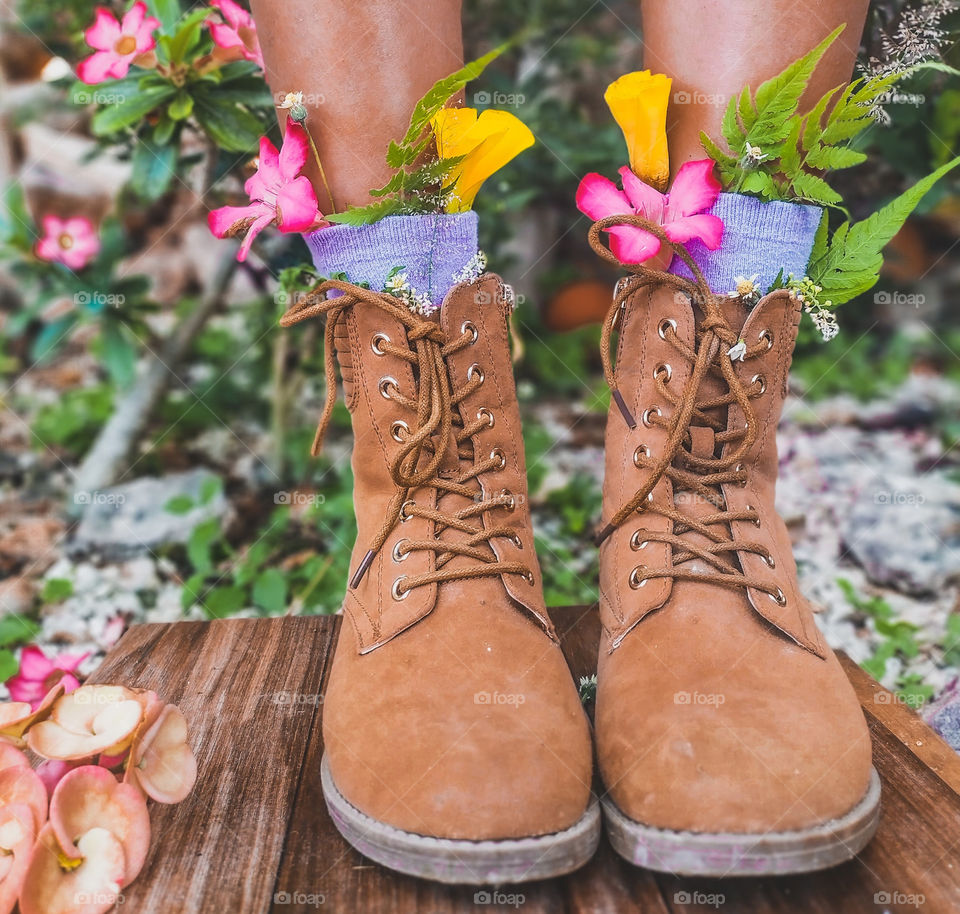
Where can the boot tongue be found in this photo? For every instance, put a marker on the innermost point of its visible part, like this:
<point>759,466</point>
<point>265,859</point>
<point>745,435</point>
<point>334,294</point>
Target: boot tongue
<point>713,385</point>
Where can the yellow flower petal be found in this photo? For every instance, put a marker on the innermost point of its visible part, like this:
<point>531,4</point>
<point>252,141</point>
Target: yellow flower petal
<point>638,102</point>
<point>486,142</point>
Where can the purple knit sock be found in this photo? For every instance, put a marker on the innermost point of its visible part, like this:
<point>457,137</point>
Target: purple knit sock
<point>758,238</point>
<point>430,248</point>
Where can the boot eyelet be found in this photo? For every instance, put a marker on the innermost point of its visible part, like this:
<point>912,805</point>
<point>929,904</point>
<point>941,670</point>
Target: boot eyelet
<point>664,324</point>
<point>636,579</point>
<point>768,336</point>
<point>647,413</point>
<point>516,541</point>
<point>377,342</point>
<point>739,469</point>
<point>396,592</point>
<point>475,371</point>
<point>384,386</point>
<point>642,449</point>
<point>512,505</point>
<point>528,577</point>
<point>484,413</point>
<point>636,544</point>
<point>663,370</point>
<point>404,516</point>
<point>399,430</point>
<point>471,328</point>
<point>762,380</point>
<point>779,597</point>
<point>755,521</point>
<point>399,556</point>
<point>769,560</point>
<point>497,454</point>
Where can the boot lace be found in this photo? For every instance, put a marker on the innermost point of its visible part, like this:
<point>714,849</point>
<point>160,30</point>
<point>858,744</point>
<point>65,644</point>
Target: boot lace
<point>436,423</point>
<point>698,475</point>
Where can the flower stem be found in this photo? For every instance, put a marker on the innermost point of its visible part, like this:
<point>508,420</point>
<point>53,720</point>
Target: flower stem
<point>323,175</point>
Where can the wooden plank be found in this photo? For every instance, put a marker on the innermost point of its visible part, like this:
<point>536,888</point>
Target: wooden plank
<point>250,690</point>
<point>255,836</point>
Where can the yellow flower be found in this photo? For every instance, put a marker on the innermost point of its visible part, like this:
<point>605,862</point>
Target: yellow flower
<point>639,105</point>
<point>486,142</point>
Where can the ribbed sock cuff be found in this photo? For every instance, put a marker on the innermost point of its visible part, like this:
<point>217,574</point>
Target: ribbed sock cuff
<point>758,238</point>
<point>430,248</point>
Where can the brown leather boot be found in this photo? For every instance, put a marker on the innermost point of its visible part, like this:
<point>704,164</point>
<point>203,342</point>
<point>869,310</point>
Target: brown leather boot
<point>456,745</point>
<point>728,737</point>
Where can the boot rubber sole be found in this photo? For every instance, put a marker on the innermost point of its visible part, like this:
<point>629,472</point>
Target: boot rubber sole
<point>688,853</point>
<point>463,862</point>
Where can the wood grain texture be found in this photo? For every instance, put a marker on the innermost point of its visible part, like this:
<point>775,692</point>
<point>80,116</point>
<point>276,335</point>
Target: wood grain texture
<point>254,836</point>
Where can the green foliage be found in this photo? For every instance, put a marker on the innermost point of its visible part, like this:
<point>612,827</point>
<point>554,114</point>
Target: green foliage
<point>56,590</point>
<point>850,262</point>
<point>777,153</point>
<point>411,178</point>
<point>16,629</point>
<point>72,421</point>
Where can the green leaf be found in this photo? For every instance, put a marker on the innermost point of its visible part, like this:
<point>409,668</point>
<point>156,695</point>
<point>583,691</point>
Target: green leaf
<point>730,127</point>
<point>210,488</point>
<point>814,189</point>
<point>181,107</point>
<point>715,152</point>
<point>270,591</point>
<point>164,130</point>
<point>851,265</point>
<point>133,108</point>
<point>18,629</point>
<point>777,99</point>
<point>790,154</point>
<point>118,352</point>
<point>9,665</point>
<point>153,168</point>
<point>364,215</point>
<point>820,238</point>
<point>759,182</point>
<point>200,545</point>
<point>832,158</point>
<point>443,89</point>
<point>230,127</point>
<point>224,601</point>
<point>179,505</point>
<point>167,11</point>
<point>192,590</point>
<point>814,118</point>
<point>187,35</point>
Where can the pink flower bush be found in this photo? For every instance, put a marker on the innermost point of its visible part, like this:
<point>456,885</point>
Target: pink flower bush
<point>680,211</point>
<point>237,33</point>
<point>278,193</point>
<point>72,242</point>
<point>39,673</point>
<point>117,44</point>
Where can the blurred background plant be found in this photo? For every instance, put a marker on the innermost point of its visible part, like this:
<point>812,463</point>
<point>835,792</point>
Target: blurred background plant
<point>155,426</point>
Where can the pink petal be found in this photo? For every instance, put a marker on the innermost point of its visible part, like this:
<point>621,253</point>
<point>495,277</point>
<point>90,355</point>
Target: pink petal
<point>225,36</point>
<point>294,151</point>
<point>296,206</point>
<point>96,68</point>
<point>34,664</point>
<point>133,18</point>
<point>104,32</point>
<point>598,197</point>
<point>646,200</point>
<point>704,227</point>
<point>48,249</point>
<point>267,179</point>
<point>221,221</point>
<point>633,245</point>
<point>694,189</point>
<point>235,14</point>
<point>255,230</point>
<point>25,690</point>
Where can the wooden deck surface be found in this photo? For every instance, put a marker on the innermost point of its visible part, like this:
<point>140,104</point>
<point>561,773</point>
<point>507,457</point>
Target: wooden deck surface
<point>254,836</point>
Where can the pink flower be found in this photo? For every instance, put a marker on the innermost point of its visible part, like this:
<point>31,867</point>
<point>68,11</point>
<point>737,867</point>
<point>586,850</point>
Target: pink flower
<point>278,194</point>
<point>117,44</point>
<point>680,211</point>
<point>72,242</point>
<point>38,674</point>
<point>238,33</point>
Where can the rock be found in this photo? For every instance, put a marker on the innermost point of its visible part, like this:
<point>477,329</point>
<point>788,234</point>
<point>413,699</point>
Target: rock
<point>33,541</point>
<point>905,530</point>
<point>944,714</point>
<point>16,595</point>
<point>132,518</point>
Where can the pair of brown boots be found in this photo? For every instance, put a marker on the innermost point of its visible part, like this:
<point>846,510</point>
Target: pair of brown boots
<point>728,739</point>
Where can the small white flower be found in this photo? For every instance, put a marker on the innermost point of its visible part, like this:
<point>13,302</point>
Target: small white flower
<point>738,351</point>
<point>745,288</point>
<point>473,269</point>
<point>291,99</point>
<point>754,154</point>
